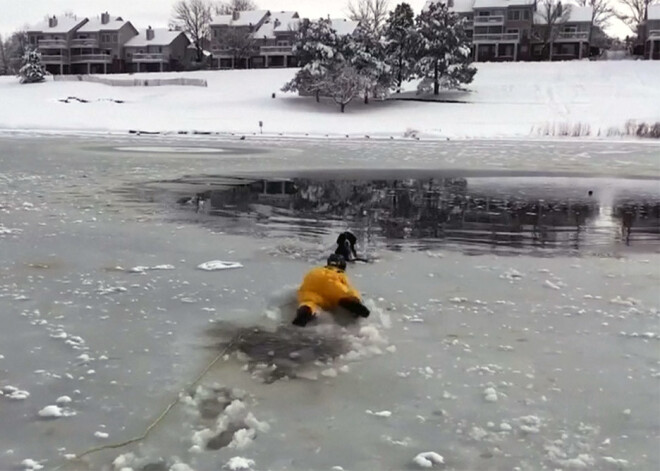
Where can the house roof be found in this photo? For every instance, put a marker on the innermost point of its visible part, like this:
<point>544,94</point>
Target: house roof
<point>64,24</point>
<point>344,27</point>
<point>245,18</point>
<point>502,3</point>
<point>459,6</point>
<point>654,12</point>
<point>94,25</point>
<point>278,22</point>
<point>162,37</point>
<point>576,15</point>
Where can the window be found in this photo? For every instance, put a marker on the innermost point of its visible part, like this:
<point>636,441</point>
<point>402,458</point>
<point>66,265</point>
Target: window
<point>526,15</point>
<point>160,49</point>
<point>514,15</point>
<point>114,38</point>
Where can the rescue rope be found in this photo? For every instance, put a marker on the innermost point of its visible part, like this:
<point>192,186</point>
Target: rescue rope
<point>164,412</point>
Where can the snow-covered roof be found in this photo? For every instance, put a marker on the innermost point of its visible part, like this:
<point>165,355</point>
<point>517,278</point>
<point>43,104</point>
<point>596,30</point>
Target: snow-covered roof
<point>162,37</point>
<point>245,18</point>
<point>576,15</point>
<point>63,24</point>
<point>94,25</point>
<point>502,3</point>
<point>278,22</point>
<point>654,12</point>
<point>344,27</point>
<point>459,6</point>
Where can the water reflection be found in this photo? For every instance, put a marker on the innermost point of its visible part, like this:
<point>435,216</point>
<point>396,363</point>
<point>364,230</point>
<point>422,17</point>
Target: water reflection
<point>424,212</point>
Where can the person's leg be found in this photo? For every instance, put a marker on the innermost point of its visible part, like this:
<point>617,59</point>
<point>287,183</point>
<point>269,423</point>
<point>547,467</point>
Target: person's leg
<point>355,307</point>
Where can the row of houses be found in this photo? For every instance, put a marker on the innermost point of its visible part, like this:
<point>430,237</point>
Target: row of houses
<point>109,44</point>
<point>500,30</point>
<point>106,44</point>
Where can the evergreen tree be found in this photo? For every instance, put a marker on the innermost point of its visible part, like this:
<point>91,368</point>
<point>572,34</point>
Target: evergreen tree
<point>443,50</point>
<point>400,36</point>
<point>318,50</point>
<point>366,53</point>
<point>32,70</point>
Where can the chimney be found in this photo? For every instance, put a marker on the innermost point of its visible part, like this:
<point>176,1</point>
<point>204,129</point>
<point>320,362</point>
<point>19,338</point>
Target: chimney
<point>52,22</point>
<point>450,3</point>
<point>150,34</point>
<point>277,22</point>
<point>235,15</point>
<point>105,18</point>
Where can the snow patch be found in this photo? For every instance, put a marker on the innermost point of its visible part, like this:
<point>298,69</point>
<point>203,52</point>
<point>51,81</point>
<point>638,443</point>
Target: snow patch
<point>239,463</point>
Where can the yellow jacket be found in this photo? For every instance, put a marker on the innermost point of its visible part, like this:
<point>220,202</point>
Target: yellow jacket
<point>324,287</point>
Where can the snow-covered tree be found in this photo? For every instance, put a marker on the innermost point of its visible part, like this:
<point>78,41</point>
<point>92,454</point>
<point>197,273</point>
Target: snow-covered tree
<point>366,53</point>
<point>443,50</point>
<point>399,34</point>
<point>345,84</point>
<point>32,70</point>
<point>318,49</point>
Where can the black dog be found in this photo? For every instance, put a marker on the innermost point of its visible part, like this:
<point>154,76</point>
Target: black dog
<point>346,246</point>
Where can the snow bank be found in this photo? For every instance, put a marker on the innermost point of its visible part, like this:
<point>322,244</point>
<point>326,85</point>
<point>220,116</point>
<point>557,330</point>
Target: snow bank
<point>506,100</point>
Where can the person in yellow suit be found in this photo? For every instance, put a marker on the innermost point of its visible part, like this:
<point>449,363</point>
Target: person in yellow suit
<point>326,288</point>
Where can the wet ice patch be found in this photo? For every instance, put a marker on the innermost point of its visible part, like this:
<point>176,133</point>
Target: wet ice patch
<point>382,413</point>
<point>215,265</point>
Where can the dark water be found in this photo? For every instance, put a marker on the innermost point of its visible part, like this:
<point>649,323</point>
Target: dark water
<point>424,210</point>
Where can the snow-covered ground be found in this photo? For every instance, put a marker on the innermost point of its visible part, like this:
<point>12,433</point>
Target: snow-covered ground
<point>506,100</point>
<point>468,362</point>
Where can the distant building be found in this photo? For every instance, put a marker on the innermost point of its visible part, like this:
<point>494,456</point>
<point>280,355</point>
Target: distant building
<point>157,50</point>
<point>512,30</point>
<point>98,45</point>
<point>652,33</point>
<point>52,39</point>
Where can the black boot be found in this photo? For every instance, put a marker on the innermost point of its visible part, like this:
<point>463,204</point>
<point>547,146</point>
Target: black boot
<point>355,307</point>
<point>304,314</point>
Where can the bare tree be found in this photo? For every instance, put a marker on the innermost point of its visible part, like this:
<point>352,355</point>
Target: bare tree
<point>194,17</point>
<point>15,48</point>
<point>602,13</point>
<point>372,14</point>
<point>240,43</point>
<point>227,8</point>
<point>553,15</point>
<point>635,12</point>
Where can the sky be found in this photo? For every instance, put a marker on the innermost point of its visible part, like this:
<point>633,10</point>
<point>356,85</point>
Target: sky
<point>15,14</point>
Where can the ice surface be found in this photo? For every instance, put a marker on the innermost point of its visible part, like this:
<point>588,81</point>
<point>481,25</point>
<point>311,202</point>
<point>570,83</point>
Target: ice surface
<point>574,369</point>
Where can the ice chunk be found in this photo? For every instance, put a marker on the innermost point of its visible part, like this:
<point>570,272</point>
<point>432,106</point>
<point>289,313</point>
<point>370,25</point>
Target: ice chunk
<point>490,395</point>
<point>215,265</point>
<point>428,459</point>
<point>31,464</point>
<point>239,463</point>
<point>383,413</point>
<point>101,435</point>
<point>551,285</point>
<point>63,400</point>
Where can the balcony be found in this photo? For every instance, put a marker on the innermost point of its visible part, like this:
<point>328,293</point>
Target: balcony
<point>489,20</point>
<point>148,57</point>
<point>496,38</point>
<point>276,50</point>
<point>85,43</point>
<point>97,58</point>
<point>572,36</point>
<point>53,44</point>
<point>654,34</point>
<point>54,59</point>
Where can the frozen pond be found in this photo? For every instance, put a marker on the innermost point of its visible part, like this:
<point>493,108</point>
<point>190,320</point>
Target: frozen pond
<point>514,323</point>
